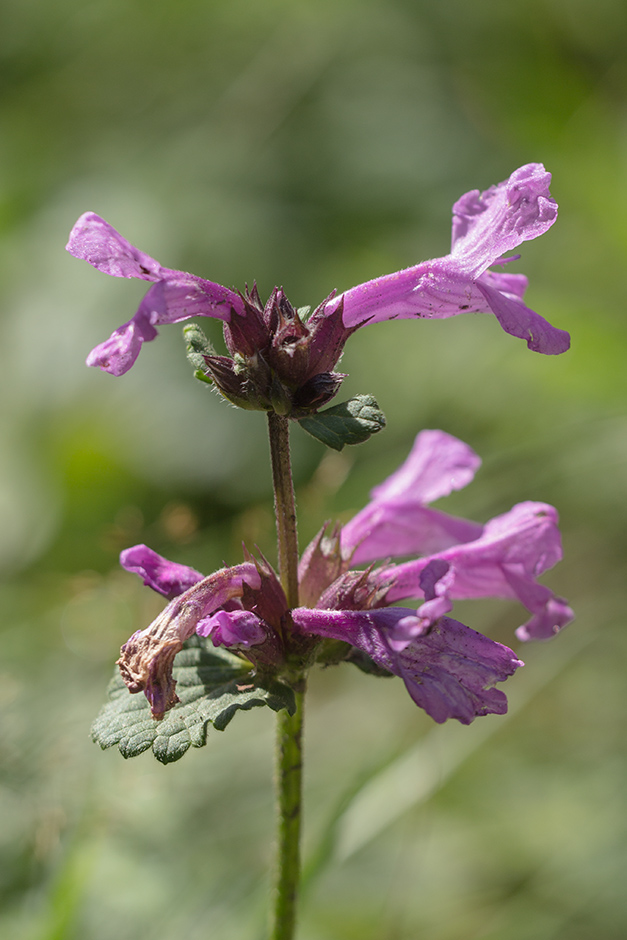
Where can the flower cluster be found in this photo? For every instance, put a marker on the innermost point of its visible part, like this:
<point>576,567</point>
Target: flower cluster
<point>282,361</point>
<point>448,668</point>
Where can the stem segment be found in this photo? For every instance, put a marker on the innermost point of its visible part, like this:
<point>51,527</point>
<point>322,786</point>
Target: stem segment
<point>288,780</point>
<point>284,505</point>
<point>289,756</point>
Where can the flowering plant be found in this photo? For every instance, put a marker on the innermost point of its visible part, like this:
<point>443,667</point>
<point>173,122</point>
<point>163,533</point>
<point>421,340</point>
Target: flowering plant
<point>339,602</point>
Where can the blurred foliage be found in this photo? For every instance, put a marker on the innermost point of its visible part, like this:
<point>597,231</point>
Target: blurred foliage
<point>314,145</point>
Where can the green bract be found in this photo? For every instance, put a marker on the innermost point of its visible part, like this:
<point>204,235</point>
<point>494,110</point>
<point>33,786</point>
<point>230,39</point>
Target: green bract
<point>351,422</point>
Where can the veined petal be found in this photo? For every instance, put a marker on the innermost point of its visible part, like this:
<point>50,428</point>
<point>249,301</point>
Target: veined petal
<point>398,528</point>
<point>515,284</point>
<point>518,320</point>
<point>438,464</point>
<point>488,225</point>
<point>175,295</point>
<point>92,239</point>
<point>430,290</point>
<point>118,353</point>
<point>165,577</point>
<point>449,671</point>
<point>396,521</point>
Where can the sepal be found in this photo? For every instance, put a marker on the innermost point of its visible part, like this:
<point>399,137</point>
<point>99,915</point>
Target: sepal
<point>321,564</point>
<point>317,391</point>
<point>234,381</point>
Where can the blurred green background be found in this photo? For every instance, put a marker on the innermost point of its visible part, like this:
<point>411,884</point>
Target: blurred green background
<point>314,145</point>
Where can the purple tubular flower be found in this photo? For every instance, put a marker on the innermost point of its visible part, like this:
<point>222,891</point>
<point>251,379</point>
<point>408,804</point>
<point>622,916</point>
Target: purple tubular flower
<point>486,227</point>
<point>449,671</point>
<point>163,576</point>
<point>146,658</point>
<point>174,296</point>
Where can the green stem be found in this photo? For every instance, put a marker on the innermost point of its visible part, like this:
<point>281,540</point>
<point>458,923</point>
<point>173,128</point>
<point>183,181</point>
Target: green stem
<point>284,505</point>
<point>289,756</point>
<point>288,780</point>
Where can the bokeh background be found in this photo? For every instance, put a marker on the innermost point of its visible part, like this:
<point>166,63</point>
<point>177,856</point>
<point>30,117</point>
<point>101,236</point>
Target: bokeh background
<point>314,145</point>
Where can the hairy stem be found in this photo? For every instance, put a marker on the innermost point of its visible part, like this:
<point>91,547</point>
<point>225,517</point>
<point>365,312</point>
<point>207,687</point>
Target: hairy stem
<point>288,779</point>
<point>288,793</point>
<point>284,505</point>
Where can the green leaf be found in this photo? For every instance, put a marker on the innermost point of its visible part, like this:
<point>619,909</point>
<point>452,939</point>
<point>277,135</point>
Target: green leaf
<point>352,422</point>
<point>211,684</point>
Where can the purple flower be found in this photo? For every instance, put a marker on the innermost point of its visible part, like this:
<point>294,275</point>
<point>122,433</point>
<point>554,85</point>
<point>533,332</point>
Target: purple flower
<point>174,296</point>
<point>486,226</point>
<point>502,558</point>
<point>146,658</point>
<point>449,669</point>
<point>163,576</point>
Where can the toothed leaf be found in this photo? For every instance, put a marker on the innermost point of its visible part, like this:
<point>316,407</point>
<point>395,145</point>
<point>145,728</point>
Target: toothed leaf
<point>212,685</point>
<point>352,422</point>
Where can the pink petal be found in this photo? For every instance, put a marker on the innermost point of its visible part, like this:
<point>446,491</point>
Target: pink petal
<point>118,353</point>
<point>448,671</point>
<point>396,521</point>
<point>165,577</point>
<point>520,321</point>
<point>438,464</point>
<point>488,225</point>
<point>505,561</point>
<point>175,295</point>
<point>94,240</point>
<point>237,629</point>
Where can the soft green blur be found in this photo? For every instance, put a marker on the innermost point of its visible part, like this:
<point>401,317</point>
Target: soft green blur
<point>313,144</point>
